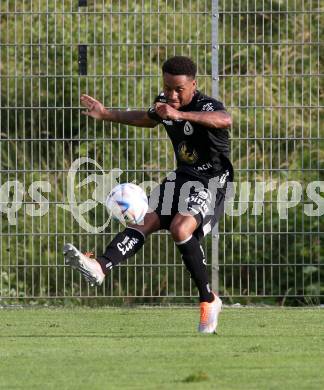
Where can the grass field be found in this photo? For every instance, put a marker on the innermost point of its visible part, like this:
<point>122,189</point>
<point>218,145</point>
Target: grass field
<point>158,348</point>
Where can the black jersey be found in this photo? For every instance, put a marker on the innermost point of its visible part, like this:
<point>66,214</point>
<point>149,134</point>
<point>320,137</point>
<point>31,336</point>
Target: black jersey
<point>199,150</point>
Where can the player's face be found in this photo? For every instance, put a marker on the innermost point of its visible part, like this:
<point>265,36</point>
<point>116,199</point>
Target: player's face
<point>178,89</point>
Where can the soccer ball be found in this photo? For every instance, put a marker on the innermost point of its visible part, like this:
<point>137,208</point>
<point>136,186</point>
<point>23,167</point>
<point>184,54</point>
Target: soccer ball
<point>127,203</point>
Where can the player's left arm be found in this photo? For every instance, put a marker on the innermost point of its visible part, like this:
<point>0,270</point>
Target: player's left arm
<point>219,119</point>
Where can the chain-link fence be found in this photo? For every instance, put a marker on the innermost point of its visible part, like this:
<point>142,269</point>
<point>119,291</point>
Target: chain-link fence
<point>271,78</point>
<point>264,60</point>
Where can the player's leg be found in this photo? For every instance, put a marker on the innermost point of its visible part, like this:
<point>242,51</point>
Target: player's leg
<point>128,242</point>
<point>182,229</point>
<point>204,206</point>
<point>124,245</point>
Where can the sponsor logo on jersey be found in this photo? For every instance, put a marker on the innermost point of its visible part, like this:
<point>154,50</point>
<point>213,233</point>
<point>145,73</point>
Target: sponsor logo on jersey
<point>199,201</point>
<point>203,194</point>
<point>187,153</point>
<point>204,167</point>
<point>188,128</point>
<point>208,107</point>
<point>167,122</point>
<point>197,204</point>
<point>127,244</point>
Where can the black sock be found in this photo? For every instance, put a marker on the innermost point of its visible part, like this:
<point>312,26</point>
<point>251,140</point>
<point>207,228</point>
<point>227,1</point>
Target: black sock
<point>193,257</point>
<point>124,245</point>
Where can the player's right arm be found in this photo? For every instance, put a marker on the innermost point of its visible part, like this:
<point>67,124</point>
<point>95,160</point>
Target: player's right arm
<point>98,111</point>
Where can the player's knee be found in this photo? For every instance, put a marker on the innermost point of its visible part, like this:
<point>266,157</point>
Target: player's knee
<point>150,224</point>
<point>179,231</point>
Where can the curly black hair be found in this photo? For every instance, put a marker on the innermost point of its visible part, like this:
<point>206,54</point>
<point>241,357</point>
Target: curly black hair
<point>180,65</point>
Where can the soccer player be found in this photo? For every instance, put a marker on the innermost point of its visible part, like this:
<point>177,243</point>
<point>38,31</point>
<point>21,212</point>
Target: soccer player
<point>191,199</point>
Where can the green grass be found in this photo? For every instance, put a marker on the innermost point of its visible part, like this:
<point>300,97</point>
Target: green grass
<point>110,348</point>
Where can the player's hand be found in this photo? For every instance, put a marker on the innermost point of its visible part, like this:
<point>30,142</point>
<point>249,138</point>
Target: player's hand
<point>95,108</point>
<point>165,111</point>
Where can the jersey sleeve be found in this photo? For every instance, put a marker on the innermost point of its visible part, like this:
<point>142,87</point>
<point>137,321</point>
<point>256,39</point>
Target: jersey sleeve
<point>153,115</point>
<point>151,111</point>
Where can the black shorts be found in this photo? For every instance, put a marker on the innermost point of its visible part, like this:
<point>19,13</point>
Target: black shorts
<point>201,197</point>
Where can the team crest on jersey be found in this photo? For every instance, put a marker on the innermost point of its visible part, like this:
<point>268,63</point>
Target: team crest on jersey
<point>187,153</point>
<point>188,128</point>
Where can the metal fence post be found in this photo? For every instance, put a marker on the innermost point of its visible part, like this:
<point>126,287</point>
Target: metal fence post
<point>214,40</point>
<point>215,236</point>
